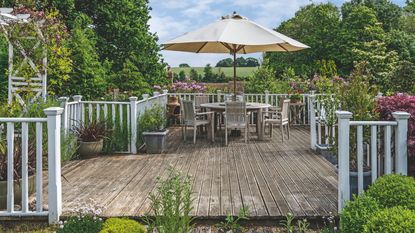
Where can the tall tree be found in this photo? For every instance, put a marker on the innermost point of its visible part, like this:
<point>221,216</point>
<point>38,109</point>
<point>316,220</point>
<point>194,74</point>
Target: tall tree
<point>315,25</point>
<point>123,34</point>
<point>88,76</point>
<point>386,12</point>
<point>362,38</point>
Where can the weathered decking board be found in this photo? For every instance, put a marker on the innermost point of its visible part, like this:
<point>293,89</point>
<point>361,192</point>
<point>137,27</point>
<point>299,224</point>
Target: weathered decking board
<point>272,178</point>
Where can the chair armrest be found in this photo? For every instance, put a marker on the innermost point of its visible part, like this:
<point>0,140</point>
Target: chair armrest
<point>203,113</point>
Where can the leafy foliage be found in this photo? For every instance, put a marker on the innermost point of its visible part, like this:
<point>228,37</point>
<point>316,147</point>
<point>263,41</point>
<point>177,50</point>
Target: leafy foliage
<point>90,132</point>
<point>120,225</point>
<point>172,205</point>
<point>396,219</point>
<point>83,223</point>
<point>130,41</point>
<point>88,75</point>
<point>400,102</point>
<point>264,79</point>
<point>315,25</point>
<point>356,213</point>
<point>152,120</point>
<point>231,223</point>
<point>393,190</point>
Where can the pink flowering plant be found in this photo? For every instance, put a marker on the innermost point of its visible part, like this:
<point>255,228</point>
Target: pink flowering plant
<point>400,102</point>
<point>86,218</point>
<point>187,87</point>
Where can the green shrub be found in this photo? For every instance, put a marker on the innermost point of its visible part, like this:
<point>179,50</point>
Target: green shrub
<point>394,190</point>
<point>119,225</point>
<point>390,220</point>
<point>356,213</point>
<point>86,224</point>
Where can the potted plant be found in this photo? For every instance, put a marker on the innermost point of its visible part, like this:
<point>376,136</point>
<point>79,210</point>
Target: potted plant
<point>152,128</point>
<point>17,166</point>
<point>91,138</point>
<point>295,97</point>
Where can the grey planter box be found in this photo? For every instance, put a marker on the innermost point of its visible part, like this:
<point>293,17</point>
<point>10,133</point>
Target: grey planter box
<point>155,141</point>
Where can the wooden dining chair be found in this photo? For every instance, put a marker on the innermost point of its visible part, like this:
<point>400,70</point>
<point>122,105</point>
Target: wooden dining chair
<point>280,118</point>
<point>236,117</point>
<point>194,119</point>
<point>199,100</point>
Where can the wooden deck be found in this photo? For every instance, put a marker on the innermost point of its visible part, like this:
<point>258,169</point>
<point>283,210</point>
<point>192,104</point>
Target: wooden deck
<point>270,177</point>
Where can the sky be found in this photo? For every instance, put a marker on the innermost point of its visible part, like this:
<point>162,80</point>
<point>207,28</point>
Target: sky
<point>172,18</point>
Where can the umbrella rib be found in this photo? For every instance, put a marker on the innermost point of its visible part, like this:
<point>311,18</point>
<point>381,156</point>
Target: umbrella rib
<point>167,46</point>
<point>204,44</point>
<point>227,46</point>
<point>280,45</point>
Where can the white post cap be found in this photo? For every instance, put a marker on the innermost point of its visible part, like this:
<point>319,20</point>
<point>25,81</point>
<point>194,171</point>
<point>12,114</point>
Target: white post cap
<point>53,111</point>
<point>344,114</point>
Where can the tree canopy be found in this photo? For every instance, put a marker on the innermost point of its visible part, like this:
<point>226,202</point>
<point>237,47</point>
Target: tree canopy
<point>105,44</point>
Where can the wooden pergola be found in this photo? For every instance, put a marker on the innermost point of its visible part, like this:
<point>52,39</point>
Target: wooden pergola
<point>17,84</point>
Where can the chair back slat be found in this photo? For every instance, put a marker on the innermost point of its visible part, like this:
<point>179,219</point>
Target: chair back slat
<point>235,112</point>
<point>188,107</point>
<point>201,99</point>
<point>285,110</point>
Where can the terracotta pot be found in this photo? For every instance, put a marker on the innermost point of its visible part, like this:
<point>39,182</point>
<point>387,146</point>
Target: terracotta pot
<point>173,100</point>
<point>90,149</point>
<point>17,190</point>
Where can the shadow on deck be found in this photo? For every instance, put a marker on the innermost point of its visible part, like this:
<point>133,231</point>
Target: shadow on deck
<point>270,177</point>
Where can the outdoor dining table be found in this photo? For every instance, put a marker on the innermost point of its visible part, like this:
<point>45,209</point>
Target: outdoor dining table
<point>250,107</point>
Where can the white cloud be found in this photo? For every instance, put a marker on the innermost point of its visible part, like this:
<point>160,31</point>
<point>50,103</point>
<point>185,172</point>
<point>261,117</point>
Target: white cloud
<point>172,18</point>
<point>167,27</point>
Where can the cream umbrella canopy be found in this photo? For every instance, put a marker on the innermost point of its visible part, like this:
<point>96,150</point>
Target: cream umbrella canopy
<point>233,34</point>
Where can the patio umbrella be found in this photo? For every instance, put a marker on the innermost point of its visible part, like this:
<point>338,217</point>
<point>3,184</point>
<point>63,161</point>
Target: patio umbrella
<point>233,34</point>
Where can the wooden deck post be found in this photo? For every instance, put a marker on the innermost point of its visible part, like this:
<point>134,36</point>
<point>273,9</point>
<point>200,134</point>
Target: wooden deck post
<point>401,142</point>
<point>313,133</point>
<point>219,94</point>
<point>267,97</point>
<point>78,99</point>
<point>343,157</point>
<point>65,116</point>
<point>54,163</point>
<point>133,130</point>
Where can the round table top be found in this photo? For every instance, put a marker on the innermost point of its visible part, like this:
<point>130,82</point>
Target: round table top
<point>221,106</point>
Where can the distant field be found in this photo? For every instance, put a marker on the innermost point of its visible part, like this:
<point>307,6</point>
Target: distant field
<point>240,71</point>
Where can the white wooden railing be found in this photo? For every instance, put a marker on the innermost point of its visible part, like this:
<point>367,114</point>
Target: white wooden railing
<point>392,158</point>
<point>266,97</point>
<point>53,122</point>
<point>121,114</point>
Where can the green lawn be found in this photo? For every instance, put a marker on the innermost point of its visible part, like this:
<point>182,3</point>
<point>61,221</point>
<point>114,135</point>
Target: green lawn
<point>240,71</point>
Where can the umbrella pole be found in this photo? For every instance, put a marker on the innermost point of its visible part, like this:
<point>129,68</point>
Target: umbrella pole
<point>234,75</point>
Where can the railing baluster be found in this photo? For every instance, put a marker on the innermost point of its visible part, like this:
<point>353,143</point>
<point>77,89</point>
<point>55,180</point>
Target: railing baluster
<point>374,152</point>
<point>98,112</point>
<point>121,112</point>
<point>39,168</point>
<point>25,161</point>
<point>10,167</point>
<point>90,111</point>
<point>360,158</point>
<point>113,114</point>
<point>388,154</point>
<point>105,112</point>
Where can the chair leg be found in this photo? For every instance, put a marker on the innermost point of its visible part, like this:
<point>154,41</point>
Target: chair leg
<point>194,134</point>
<point>288,129</point>
<point>226,135</point>
<point>246,134</point>
<point>184,132</point>
<point>213,130</point>
<point>282,132</point>
<point>270,130</point>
